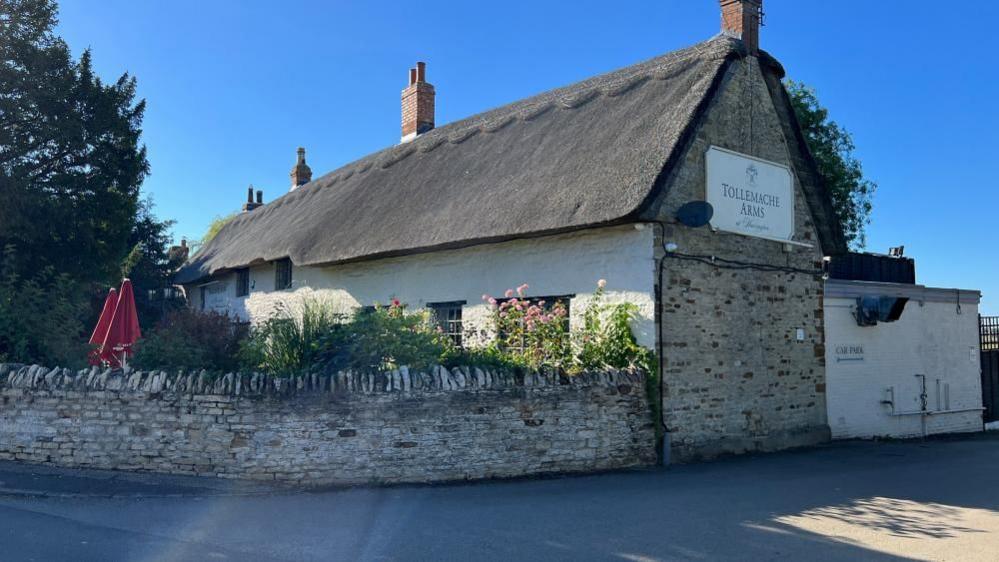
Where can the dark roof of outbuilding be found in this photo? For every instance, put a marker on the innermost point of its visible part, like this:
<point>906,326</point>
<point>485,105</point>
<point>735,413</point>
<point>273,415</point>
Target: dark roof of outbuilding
<point>580,156</point>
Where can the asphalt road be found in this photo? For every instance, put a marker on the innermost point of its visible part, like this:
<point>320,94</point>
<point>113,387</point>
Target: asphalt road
<point>935,500</point>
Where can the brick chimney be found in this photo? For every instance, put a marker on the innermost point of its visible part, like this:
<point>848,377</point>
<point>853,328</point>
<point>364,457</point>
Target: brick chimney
<point>179,254</point>
<point>742,19</point>
<point>250,204</point>
<point>301,174</point>
<point>417,104</point>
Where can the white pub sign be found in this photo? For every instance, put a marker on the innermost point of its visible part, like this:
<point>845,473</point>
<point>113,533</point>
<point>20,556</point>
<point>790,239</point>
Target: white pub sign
<point>750,196</point>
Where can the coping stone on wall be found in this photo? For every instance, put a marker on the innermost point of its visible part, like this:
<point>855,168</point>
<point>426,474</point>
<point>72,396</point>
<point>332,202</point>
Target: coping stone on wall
<point>402,380</point>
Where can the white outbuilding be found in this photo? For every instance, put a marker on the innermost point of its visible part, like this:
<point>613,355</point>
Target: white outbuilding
<point>902,360</point>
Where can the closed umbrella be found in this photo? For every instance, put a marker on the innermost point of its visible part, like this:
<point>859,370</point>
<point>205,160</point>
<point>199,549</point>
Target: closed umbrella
<point>124,329</point>
<point>103,323</point>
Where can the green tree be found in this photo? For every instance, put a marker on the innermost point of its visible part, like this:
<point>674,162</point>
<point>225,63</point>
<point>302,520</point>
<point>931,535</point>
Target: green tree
<point>150,267</point>
<point>833,149</point>
<point>71,165</point>
<point>40,316</point>
<point>70,158</point>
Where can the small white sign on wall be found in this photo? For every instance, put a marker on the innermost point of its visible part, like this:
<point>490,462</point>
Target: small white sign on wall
<point>750,196</point>
<point>849,353</point>
<point>216,297</point>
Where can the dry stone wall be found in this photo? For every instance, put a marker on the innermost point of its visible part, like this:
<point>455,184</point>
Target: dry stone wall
<point>349,428</point>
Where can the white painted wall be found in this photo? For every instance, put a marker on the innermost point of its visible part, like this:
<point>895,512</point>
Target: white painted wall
<point>931,338</point>
<point>553,265</point>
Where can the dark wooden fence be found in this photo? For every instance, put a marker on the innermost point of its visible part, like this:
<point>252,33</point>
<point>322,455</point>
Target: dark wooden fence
<point>988,334</point>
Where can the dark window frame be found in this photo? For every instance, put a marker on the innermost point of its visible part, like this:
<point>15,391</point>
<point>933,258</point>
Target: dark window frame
<point>243,282</point>
<point>283,274</point>
<point>448,318</point>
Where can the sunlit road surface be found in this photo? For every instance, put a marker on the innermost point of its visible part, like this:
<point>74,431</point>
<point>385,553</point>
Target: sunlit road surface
<point>934,500</point>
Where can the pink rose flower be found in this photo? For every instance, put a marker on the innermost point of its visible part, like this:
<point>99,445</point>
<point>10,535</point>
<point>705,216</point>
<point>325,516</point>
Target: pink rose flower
<point>492,301</point>
<point>509,293</point>
<point>602,283</point>
<point>485,297</point>
<point>521,289</point>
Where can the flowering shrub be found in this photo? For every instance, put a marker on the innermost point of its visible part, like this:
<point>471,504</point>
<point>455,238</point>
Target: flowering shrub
<point>534,333</point>
<point>531,332</point>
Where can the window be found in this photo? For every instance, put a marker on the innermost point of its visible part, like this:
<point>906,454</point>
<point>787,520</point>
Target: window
<point>447,316</point>
<point>242,282</point>
<point>546,304</point>
<point>282,274</point>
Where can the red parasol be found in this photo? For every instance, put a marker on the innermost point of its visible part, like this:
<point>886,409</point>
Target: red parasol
<point>123,330</point>
<point>103,323</point>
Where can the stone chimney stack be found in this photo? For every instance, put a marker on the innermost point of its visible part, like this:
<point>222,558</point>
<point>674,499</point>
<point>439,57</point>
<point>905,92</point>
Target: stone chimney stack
<point>250,205</point>
<point>179,254</point>
<point>417,104</point>
<point>742,19</point>
<point>301,174</point>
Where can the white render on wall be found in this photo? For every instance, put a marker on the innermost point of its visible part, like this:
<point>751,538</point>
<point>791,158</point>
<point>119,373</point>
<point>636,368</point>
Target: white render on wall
<point>569,264</point>
<point>934,337</point>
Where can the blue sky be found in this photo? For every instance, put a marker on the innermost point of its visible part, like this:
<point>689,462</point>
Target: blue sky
<point>233,87</point>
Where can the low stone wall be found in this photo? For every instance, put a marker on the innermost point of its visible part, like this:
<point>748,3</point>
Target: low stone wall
<point>349,428</point>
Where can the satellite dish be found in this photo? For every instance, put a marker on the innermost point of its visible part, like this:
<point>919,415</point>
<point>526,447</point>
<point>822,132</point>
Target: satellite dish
<point>695,214</point>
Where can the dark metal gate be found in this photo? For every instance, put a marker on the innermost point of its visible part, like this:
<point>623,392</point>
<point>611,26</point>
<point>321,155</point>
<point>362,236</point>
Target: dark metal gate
<point>988,334</point>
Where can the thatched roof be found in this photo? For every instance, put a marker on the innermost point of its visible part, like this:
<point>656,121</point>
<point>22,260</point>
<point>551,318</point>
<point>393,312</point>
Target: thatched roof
<point>576,157</point>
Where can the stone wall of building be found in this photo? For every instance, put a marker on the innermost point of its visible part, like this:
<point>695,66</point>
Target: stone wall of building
<point>742,345</point>
<point>349,428</point>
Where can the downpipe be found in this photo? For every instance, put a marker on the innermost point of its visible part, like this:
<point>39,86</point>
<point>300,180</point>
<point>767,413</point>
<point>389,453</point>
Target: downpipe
<point>922,403</point>
<point>665,443</point>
